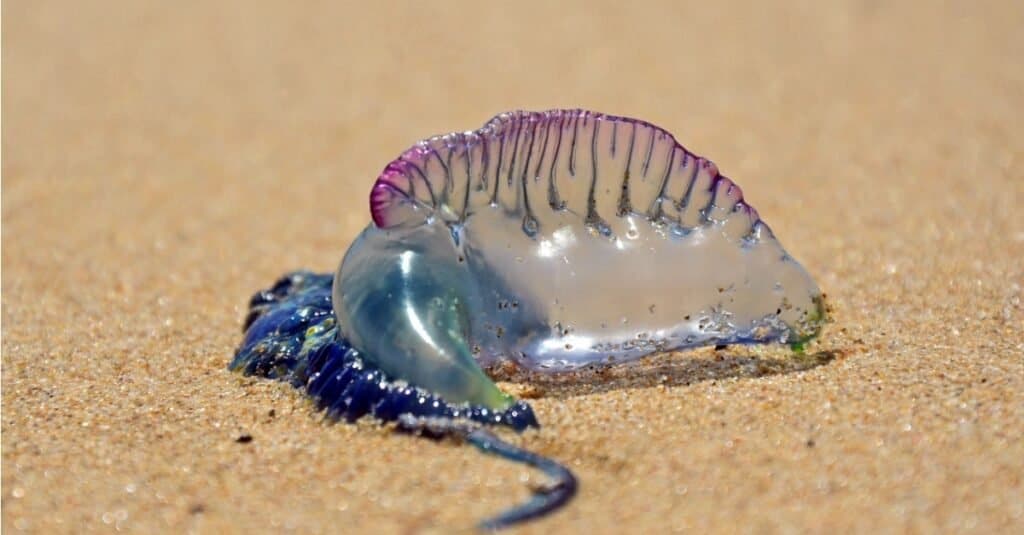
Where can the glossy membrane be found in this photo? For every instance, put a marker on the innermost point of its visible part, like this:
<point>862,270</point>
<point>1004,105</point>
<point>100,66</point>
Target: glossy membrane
<point>560,239</point>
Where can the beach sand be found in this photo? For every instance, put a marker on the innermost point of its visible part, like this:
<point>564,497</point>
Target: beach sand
<point>162,161</point>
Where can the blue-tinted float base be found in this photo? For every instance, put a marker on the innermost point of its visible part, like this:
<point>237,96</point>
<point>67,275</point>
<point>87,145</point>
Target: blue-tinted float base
<point>291,334</point>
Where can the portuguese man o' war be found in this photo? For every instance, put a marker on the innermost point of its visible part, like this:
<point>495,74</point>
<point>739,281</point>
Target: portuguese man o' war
<point>552,240</point>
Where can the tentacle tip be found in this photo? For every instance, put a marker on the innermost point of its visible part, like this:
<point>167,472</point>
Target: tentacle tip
<point>520,417</point>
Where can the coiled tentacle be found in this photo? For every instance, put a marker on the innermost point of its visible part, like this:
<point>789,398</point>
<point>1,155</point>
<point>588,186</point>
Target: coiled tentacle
<point>544,500</point>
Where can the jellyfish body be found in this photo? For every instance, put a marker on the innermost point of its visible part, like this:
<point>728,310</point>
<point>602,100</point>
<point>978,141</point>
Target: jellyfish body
<point>554,240</point>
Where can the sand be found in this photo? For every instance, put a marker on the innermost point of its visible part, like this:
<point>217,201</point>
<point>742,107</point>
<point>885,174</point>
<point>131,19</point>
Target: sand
<point>162,161</point>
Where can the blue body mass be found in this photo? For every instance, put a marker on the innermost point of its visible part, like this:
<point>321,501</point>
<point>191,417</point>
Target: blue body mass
<point>291,334</point>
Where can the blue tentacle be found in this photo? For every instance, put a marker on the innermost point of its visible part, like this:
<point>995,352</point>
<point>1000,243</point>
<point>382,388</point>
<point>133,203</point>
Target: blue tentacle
<point>544,500</point>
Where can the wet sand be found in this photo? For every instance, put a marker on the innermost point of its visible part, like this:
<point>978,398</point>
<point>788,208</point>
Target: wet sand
<point>162,162</point>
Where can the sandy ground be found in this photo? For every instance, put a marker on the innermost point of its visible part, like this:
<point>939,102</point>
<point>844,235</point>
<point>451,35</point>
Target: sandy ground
<point>161,161</point>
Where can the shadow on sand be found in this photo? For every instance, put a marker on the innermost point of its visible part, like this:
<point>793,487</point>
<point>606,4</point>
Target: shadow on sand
<point>668,370</point>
